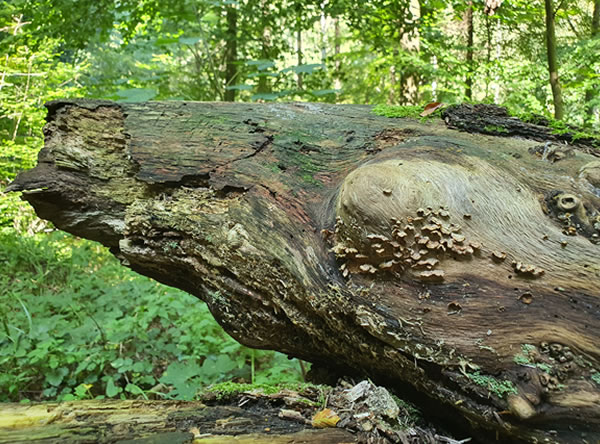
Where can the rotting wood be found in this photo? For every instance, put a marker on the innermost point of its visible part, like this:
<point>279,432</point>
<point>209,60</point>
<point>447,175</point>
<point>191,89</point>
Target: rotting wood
<point>146,422</point>
<point>355,241</point>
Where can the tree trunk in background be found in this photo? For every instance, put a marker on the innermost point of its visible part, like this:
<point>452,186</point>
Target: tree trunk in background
<point>591,93</point>
<point>231,53</point>
<point>552,60</point>
<point>488,55</point>
<point>338,62</point>
<point>469,79</point>
<point>299,54</point>
<point>410,42</point>
<point>459,267</point>
<point>264,85</point>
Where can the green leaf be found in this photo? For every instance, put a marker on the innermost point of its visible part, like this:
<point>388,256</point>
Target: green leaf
<point>265,96</point>
<point>324,92</point>
<point>261,65</point>
<point>241,87</point>
<point>111,389</point>
<point>189,40</point>
<point>161,41</point>
<point>136,94</point>
<point>179,372</point>
<point>305,69</point>
<point>55,376</point>
<point>134,389</point>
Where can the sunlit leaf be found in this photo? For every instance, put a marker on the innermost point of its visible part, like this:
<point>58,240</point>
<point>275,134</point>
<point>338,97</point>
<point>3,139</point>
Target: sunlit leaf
<point>165,41</point>
<point>304,69</point>
<point>324,92</point>
<point>189,40</point>
<point>265,96</point>
<point>260,64</point>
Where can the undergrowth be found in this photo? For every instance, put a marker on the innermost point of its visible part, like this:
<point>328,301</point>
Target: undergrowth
<point>75,324</point>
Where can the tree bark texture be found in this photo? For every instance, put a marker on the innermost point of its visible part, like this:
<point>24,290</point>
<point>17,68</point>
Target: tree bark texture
<point>552,60</point>
<point>463,267</point>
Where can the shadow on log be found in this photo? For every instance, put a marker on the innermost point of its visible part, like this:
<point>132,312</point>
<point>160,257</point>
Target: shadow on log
<point>464,266</point>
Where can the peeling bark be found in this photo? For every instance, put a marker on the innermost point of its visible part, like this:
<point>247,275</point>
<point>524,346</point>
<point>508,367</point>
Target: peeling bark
<point>462,266</point>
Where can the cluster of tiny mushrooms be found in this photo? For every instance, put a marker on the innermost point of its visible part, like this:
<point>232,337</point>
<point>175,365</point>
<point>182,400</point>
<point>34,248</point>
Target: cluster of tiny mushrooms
<point>417,243</point>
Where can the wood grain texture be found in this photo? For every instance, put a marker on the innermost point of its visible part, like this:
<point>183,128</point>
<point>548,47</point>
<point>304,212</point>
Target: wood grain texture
<point>287,218</point>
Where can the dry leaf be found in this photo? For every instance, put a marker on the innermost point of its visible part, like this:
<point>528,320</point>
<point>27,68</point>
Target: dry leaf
<point>325,418</point>
<point>431,108</point>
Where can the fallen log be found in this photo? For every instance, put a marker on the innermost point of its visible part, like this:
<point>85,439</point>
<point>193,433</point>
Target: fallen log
<point>463,266</point>
<point>154,422</point>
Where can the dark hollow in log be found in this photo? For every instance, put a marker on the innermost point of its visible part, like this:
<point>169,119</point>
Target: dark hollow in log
<point>464,265</point>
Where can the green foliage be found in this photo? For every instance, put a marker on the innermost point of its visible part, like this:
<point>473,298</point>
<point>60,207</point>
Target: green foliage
<point>76,324</point>
<point>495,386</point>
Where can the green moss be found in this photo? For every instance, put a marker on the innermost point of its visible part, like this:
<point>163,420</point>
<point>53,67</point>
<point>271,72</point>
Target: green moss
<point>596,377</point>
<point>499,388</point>
<point>495,129</point>
<point>544,367</point>
<point>410,414</point>
<point>398,111</point>
<point>560,128</point>
<point>229,389</point>
<point>521,360</point>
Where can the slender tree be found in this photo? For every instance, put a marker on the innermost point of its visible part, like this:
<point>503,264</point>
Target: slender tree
<point>552,60</point>
<point>231,52</point>
<point>590,93</point>
<point>469,78</point>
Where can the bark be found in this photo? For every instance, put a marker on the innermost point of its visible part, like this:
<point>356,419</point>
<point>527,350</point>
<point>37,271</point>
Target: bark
<point>154,422</point>
<point>460,267</point>
<point>591,93</point>
<point>552,60</point>
<point>469,79</point>
<point>231,53</point>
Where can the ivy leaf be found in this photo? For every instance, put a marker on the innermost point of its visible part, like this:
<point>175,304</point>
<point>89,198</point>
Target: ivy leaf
<point>111,389</point>
<point>178,373</point>
<point>55,377</point>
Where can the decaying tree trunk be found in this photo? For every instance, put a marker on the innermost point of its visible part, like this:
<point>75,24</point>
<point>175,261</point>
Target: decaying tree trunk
<point>154,422</point>
<point>463,266</point>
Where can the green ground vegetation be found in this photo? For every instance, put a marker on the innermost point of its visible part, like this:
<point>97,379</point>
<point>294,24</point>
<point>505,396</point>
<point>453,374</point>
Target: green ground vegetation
<point>75,324</point>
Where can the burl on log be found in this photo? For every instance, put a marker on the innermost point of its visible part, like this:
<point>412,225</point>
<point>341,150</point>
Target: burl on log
<point>465,266</point>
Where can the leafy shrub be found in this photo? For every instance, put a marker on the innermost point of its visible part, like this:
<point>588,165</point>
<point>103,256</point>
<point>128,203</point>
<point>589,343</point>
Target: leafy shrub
<point>76,324</point>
